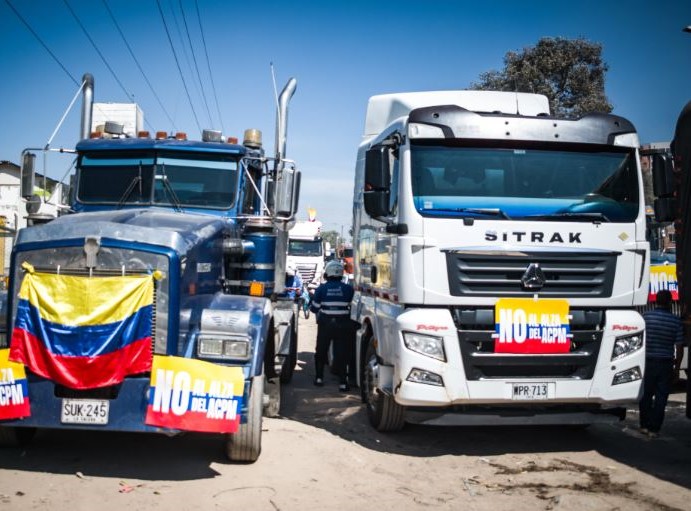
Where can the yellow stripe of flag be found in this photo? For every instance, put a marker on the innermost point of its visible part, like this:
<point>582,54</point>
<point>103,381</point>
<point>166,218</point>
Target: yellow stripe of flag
<point>80,301</point>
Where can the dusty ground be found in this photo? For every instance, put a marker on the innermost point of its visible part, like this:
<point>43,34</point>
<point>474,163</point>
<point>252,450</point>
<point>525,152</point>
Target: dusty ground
<point>323,455</point>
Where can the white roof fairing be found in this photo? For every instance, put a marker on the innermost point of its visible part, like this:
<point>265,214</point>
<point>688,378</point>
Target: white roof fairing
<point>384,109</point>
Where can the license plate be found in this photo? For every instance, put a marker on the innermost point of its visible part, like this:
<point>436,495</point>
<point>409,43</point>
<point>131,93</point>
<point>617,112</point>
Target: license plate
<point>84,411</point>
<point>529,391</point>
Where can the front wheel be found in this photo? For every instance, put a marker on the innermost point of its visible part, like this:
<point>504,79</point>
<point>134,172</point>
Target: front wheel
<point>246,443</point>
<point>382,410</point>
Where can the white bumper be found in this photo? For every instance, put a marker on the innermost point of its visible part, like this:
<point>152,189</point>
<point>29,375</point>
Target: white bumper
<point>457,390</point>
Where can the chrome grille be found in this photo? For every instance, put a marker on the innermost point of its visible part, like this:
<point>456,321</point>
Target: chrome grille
<point>307,272</point>
<point>495,274</point>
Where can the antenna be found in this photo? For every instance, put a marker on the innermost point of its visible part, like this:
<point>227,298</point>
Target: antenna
<point>273,78</point>
<point>515,95</point>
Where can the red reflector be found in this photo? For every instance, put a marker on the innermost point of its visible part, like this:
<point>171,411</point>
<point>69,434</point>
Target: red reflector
<point>160,135</point>
<point>232,140</point>
<point>143,134</point>
<point>181,135</point>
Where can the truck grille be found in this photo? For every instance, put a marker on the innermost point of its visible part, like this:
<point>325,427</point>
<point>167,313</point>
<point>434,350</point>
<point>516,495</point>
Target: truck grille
<point>568,274</point>
<point>475,329</point>
<point>307,272</point>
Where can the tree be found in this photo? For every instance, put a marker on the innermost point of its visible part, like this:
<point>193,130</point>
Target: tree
<point>570,72</point>
<point>332,237</point>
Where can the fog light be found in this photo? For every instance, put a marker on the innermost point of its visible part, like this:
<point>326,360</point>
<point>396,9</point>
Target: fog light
<point>426,377</point>
<point>627,376</point>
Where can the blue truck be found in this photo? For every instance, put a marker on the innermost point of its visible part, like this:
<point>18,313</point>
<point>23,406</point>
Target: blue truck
<point>204,224</point>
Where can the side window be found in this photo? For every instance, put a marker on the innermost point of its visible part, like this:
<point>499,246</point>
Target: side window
<point>393,195</point>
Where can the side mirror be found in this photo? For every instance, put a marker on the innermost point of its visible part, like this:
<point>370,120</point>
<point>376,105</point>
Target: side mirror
<point>663,175</point>
<point>377,203</point>
<point>377,171</point>
<point>665,209</point>
<point>377,182</point>
<point>28,175</point>
<point>288,192</point>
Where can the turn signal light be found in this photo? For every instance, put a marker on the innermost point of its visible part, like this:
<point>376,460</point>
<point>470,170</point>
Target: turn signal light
<point>256,289</point>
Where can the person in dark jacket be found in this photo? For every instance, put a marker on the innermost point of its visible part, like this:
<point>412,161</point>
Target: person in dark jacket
<point>331,304</point>
<point>663,330</point>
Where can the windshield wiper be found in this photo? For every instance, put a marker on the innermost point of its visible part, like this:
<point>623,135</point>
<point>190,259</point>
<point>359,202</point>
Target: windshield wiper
<point>177,205</point>
<point>479,211</point>
<point>593,216</point>
<point>137,180</point>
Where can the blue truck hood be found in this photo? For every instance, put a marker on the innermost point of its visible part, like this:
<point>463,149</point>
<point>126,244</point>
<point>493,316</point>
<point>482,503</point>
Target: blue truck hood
<point>178,231</point>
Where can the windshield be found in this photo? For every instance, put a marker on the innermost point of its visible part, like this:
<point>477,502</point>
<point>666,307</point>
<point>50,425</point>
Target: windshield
<point>305,248</point>
<point>509,183</point>
<point>196,181</point>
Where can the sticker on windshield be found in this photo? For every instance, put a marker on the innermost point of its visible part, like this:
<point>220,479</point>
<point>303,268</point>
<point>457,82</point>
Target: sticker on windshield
<point>428,204</point>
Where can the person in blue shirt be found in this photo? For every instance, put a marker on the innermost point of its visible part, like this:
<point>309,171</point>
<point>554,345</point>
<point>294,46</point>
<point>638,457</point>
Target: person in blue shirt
<point>331,304</point>
<point>293,283</point>
<point>663,330</point>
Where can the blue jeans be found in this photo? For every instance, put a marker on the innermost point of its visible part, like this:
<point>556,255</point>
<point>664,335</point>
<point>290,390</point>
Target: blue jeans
<point>656,387</point>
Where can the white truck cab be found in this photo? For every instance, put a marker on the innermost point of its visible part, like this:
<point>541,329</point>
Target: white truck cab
<point>499,255</point>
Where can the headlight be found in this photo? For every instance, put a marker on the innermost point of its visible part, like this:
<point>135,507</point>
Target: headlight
<point>626,345</point>
<point>209,346</point>
<point>428,345</point>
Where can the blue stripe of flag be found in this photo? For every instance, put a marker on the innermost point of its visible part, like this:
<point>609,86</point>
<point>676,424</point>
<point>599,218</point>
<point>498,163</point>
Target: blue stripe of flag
<point>88,340</point>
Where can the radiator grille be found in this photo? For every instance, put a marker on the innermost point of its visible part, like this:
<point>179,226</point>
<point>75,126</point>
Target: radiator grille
<point>569,274</point>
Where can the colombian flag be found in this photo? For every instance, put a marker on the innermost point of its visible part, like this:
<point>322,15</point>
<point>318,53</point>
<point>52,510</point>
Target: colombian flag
<point>83,332</point>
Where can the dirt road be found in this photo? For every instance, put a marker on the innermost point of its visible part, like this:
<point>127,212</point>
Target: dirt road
<point>321,454</point>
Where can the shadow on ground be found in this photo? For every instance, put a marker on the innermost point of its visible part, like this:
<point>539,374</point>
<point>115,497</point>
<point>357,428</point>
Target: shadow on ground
<point>342,414</point>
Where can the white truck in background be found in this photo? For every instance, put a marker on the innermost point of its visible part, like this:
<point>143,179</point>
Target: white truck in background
<point>306,250</point>
<point>499,255</point>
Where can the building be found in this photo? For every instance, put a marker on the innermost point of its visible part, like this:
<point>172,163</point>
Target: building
<point>48,201</point>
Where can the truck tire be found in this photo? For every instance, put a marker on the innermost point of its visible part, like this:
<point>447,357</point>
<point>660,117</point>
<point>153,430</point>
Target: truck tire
<point>246,443</point>
<point>288,366</point>
<point>382,410</point>
<point>15,437</point>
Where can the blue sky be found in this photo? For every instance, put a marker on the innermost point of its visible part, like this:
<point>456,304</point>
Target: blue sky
<point>340,52</point>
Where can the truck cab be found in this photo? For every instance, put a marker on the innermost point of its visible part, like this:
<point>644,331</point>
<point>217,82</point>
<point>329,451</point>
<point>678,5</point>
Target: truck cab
<point>155,304</point>
<point>499,255</point>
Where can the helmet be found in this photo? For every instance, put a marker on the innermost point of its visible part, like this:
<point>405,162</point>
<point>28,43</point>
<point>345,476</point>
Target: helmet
<point>290,270</point>
<point>333,269</point>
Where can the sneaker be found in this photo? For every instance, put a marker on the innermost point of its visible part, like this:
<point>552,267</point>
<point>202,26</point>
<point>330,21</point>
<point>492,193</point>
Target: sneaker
<point>653,434</point>
<point>319,382</point>
<point>644,431</point>
<point>343,387</point>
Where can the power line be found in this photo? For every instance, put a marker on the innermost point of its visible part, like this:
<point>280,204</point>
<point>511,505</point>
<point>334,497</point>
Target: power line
<point>86,33</point>
<point>194,59</point>
<point>177,63</point>
<point>141,70</point>
<point>208,65</point>
<point>26,24</point>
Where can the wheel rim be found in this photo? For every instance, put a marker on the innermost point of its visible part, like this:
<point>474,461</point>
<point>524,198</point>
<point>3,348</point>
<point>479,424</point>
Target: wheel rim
<point>372,381</point>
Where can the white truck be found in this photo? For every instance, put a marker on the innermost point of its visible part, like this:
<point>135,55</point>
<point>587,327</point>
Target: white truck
<point>499,255</point>
<point>306,250</point>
